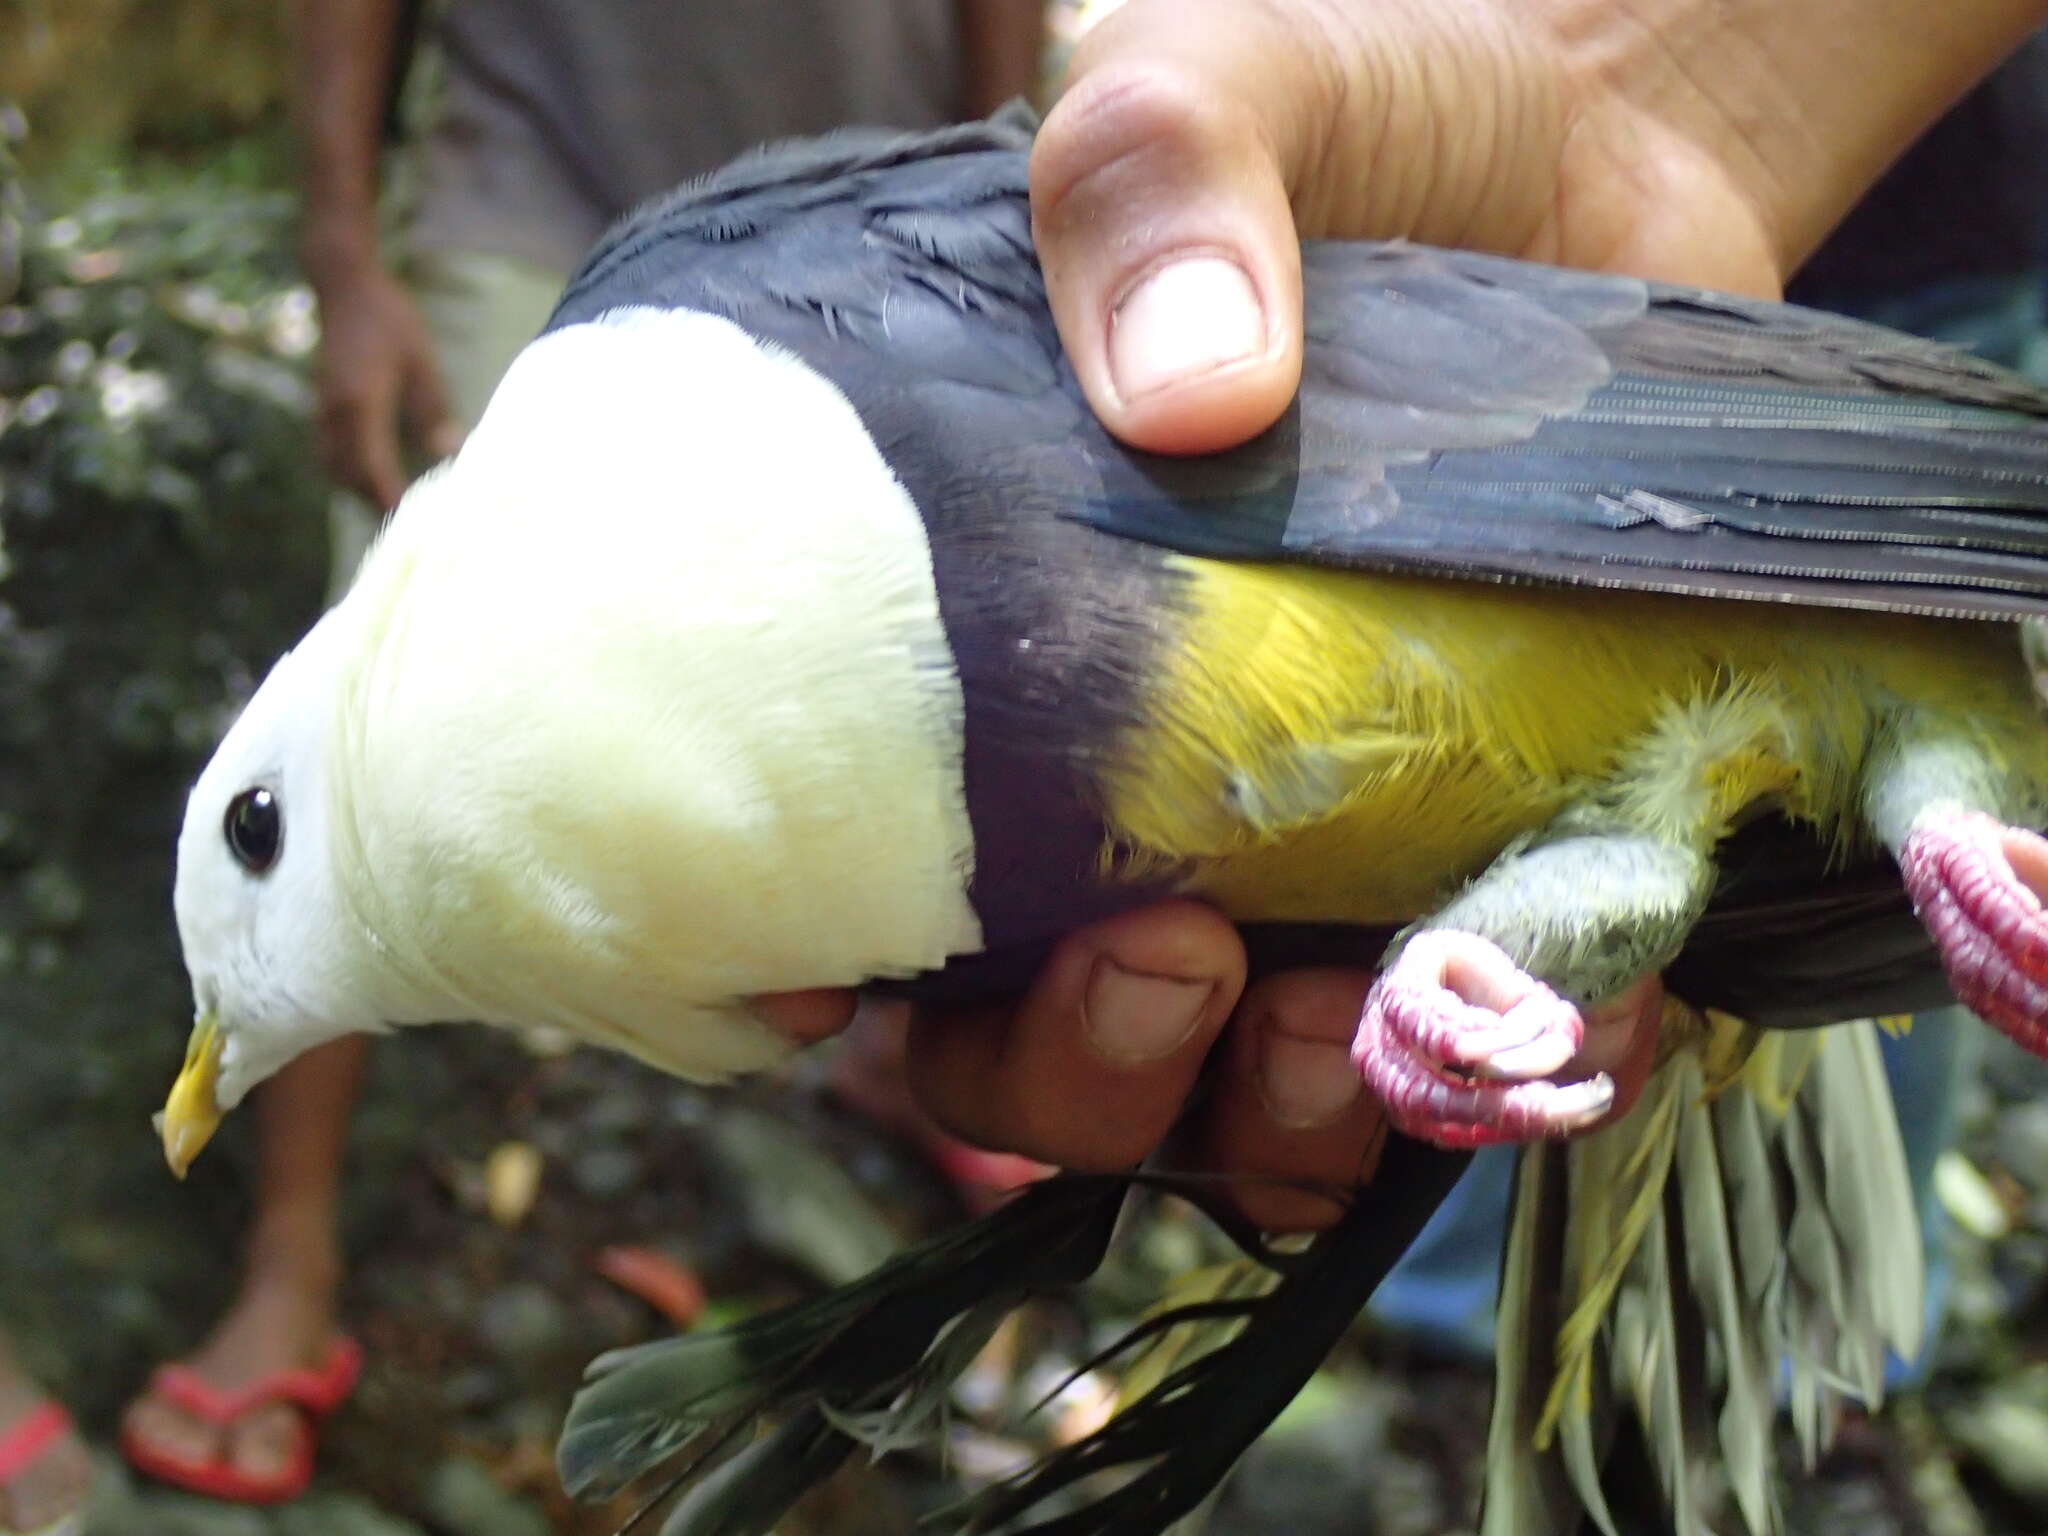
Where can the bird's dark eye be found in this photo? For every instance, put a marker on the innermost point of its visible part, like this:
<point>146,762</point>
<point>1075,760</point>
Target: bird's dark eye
<point>255,829</point>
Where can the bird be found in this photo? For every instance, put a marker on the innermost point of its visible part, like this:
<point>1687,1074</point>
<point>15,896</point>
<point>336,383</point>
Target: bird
<point>787,621</point>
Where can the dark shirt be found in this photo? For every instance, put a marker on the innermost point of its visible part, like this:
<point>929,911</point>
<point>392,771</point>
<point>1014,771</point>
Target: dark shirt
<point>1970,199</point>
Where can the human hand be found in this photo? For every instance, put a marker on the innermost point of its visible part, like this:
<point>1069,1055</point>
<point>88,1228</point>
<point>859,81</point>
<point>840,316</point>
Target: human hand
<point>1097,1065</point>
<point>1693,141</point>
<point>381,398</point>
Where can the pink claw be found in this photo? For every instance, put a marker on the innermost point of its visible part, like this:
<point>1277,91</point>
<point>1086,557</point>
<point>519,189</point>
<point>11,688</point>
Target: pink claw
<point>1457,1040</point>
<point>1978,886</point>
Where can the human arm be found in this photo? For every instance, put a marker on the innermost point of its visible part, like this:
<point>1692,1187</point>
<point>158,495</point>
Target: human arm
<point>380,389</point>
<point>1001,42</point>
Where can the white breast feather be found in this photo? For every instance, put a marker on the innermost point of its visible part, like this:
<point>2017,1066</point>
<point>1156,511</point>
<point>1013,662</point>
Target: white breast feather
<point>663,713</point>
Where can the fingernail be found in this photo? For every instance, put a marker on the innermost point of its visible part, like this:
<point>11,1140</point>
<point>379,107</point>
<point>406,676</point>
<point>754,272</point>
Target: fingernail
<point>1182,320</point>
<point>1306,1082</point>
<point>1135,1016</point>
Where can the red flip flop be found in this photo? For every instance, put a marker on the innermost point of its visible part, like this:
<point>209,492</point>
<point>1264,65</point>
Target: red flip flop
<point>23,1445</point>
<point>316,1391</point>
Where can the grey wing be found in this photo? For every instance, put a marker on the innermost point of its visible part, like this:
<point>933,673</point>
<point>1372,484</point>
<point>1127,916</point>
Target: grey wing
<point>1472,416</point>
<point>1460,415</point>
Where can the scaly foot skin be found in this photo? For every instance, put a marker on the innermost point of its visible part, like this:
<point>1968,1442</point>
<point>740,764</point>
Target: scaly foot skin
<point>1978,885</point>
<point>1456,1040</point>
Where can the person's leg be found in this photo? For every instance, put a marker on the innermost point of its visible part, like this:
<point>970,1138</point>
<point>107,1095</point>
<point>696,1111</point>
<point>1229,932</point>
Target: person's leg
<point>45,1474</point>
<point>480,310</point>
<point>283,1315</point>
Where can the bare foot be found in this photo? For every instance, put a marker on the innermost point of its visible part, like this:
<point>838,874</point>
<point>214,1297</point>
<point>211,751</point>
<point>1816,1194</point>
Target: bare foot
<point>55,1482</point>
<point>282,1320</point>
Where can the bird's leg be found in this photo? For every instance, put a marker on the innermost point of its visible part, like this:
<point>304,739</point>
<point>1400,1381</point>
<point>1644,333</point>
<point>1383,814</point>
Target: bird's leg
<point>1942,804</point>
<point>1459,1035</point>
<point>1480,1003</point>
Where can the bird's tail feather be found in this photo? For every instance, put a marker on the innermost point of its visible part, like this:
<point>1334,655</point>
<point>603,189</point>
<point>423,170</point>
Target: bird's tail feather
<point>883,1340</point>
<point>1748,1228</point>
<point>873,1363</point>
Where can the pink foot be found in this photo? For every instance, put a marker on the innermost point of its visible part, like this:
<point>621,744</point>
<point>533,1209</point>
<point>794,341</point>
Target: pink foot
<point>1455,1039</point>
<point>1978,886</point>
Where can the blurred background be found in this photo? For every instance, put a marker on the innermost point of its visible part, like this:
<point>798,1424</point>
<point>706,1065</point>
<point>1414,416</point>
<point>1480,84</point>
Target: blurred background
<point>511,1214</point>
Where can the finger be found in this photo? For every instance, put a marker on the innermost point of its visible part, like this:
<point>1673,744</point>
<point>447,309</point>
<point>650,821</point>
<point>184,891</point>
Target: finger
<point>1288,1105</point>
<point>430,416</point>
<point>359,438</point>
<point>1159,194</point>
<point>805,1017</point>
<point>1092,1068</point>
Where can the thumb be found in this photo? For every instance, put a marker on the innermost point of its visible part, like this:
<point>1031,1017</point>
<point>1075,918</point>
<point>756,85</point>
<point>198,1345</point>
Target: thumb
<point>434,428</point>
<point>1159,195</point>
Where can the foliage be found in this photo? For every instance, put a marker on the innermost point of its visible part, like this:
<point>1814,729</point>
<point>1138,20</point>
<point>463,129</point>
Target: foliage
<point>154,356</point>
<point>115,76</point>
<point>162,522</point>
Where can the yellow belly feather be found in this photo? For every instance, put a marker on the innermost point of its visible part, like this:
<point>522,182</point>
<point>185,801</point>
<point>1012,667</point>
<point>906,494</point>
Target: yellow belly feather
<point>1342,746</point>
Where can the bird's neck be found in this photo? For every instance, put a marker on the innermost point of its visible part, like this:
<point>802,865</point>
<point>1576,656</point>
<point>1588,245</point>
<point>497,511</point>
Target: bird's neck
<point>663,721</point>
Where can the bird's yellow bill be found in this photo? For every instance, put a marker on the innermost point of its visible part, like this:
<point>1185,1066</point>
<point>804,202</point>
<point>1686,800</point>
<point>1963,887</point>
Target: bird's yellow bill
<point>192,1113</point>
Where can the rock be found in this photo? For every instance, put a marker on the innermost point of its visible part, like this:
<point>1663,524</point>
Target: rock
<point>157,1513</point>
<point>464,1499</point>
<point>339,1514</point>
<point>526,1324</point>
<point>606,1171</point>
<point>799,1203</point>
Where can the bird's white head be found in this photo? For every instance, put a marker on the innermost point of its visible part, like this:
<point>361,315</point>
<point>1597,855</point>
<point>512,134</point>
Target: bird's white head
<point>277,967</point>
<point>641,708</point>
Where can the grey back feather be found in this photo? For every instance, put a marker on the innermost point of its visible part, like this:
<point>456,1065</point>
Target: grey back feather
<point>1460,414</point>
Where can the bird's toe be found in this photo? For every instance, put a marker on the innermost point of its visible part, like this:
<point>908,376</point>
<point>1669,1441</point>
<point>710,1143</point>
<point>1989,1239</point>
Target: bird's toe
<point>1978,885</point>
<point>1457,1041</point>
